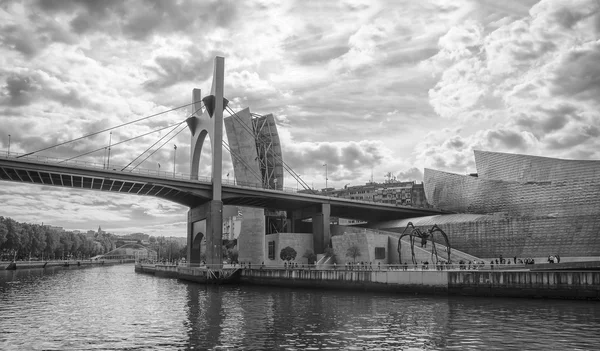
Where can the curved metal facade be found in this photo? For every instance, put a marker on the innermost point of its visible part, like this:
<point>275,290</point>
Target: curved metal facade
<point>540,206</point>
<point>525,168</point>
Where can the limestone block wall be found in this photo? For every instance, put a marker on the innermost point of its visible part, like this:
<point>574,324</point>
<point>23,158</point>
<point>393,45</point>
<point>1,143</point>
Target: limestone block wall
<point>251,239</point>
<point>365,240</point>
<point>374,238</point>
<point>298,241</point>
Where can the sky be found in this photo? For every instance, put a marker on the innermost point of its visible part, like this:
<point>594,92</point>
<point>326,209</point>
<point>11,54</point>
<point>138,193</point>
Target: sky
<point>366,87</point>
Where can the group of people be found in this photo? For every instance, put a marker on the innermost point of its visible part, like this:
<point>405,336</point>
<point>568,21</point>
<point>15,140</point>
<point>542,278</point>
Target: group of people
<point>466,265</point>
<point>360,266</point>
<point>554,259</point>
<point>425,265</point>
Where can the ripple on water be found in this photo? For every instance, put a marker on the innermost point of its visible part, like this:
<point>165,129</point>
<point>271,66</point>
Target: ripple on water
<point>113,308</point>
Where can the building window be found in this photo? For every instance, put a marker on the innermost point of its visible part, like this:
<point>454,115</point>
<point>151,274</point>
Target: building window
<point>380,253</point>
<point>271,250</point>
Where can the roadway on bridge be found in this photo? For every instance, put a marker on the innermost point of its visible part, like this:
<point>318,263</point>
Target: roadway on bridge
<point>192,192</point>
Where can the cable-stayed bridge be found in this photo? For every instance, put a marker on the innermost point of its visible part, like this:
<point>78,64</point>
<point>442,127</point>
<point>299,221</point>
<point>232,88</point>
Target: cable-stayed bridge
<point>180,189</point>
<point>258,166</point>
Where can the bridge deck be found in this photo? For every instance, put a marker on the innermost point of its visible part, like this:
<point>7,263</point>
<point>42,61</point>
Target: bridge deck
<point>192,192</point>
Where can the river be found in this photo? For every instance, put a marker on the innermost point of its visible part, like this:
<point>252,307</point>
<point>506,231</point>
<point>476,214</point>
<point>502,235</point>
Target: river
<point>114,308</point>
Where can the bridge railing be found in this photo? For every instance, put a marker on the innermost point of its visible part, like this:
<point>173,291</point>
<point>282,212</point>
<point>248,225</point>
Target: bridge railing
<point>111,167</point>
<point>474,266</point>
<point>160,174</point>
<point>143,171</point>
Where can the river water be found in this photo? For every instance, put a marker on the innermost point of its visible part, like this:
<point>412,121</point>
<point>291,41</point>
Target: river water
<point>114,308</point>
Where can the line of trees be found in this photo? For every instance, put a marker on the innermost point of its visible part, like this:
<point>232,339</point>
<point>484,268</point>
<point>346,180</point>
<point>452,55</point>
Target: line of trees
<point>24,241</point>
<point>167,249</point>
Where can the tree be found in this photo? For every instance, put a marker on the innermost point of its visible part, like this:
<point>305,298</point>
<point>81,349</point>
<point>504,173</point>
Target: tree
<point>232,254</point>
<point>3,233</point>
<point>353,252</point>
<point>13,238</point>
<point>310,256</point>
<point>287,254</point>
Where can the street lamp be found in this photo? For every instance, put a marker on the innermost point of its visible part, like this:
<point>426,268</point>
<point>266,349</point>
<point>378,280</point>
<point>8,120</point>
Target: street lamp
<point>326,179</point>
<point>174,155</point>
<point>109,144</point>
<point>298,182</point>
<point>9,145</point>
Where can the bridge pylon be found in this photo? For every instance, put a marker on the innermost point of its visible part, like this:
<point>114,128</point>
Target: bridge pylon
<point>206,219</point>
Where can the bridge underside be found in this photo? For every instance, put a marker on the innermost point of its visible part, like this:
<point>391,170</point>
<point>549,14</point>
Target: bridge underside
<point>193,193</point>
<point>99,183</point>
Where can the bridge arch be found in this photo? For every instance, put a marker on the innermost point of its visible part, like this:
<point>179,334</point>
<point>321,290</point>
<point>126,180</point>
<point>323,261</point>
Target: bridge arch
<point>198,233</point>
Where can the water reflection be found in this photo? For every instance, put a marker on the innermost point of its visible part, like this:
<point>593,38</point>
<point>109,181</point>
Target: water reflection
<point>112,308</point>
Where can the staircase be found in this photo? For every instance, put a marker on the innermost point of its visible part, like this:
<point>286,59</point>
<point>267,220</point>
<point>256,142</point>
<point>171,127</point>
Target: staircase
<point>425,254</point>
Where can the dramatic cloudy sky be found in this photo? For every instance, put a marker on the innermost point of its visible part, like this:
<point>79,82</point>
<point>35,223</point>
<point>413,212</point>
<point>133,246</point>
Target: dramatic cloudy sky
<point>367,87</point>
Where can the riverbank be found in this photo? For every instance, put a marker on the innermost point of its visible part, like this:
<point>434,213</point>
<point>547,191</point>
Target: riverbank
<point>536,282</point>
<point>8,265</point>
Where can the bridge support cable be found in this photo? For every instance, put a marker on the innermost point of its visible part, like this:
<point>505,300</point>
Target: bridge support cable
<point>158,141</point>
<point>151,146</point>
<point>107,129</point>
<point>153,152</point>
<point>124,141</point>
<point>241,159</point>
<point>285,165</point>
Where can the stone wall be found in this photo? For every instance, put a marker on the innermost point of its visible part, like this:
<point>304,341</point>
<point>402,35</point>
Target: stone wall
<point>301,242</point>
<point>366,240</point>
<point>246,171</point>
<point>251,240</point>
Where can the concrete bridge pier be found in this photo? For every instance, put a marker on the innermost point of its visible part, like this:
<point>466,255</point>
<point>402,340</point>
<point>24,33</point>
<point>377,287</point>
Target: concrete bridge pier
<point>321,228</point>
<point>206,221</point>
<point>320,216</point>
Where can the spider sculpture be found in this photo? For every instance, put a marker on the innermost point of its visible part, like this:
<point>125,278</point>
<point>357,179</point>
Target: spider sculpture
<point>424,236</point>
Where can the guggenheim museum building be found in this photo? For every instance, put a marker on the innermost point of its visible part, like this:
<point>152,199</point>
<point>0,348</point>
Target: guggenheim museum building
<point>516,205</point>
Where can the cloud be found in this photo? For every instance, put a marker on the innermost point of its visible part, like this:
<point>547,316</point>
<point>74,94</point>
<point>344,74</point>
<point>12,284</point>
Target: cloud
<point>19,90</point>
<point>366,87</point>
<point>410,174</point>
<point>578,73</point>
<point>139,20</point>
<point>533,82</point>
<point>170,70</point>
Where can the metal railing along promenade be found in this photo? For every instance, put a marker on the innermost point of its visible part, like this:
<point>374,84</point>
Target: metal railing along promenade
<point>352,267</point>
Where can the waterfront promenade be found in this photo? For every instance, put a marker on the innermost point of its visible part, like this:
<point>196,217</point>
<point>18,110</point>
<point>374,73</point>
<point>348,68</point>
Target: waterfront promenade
<point>581,281</point>
<point>9,265</point>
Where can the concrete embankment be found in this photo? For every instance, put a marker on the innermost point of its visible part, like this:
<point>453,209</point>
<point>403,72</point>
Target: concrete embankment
<point>502,283</point>
<point>193,274</point>
<point>535,284</point>
<point>431,282</point>
<point>538,284</point>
